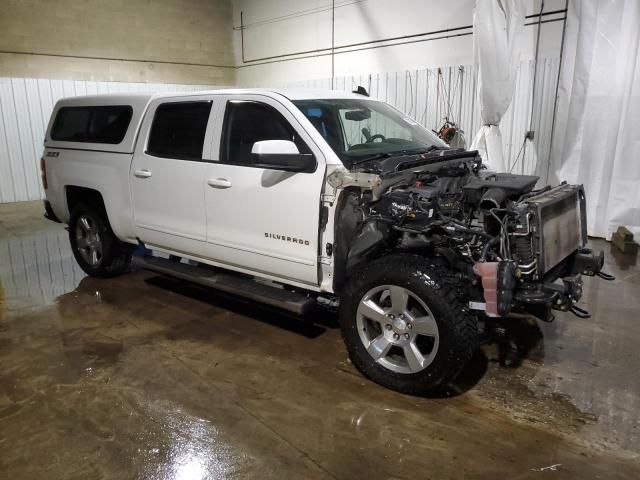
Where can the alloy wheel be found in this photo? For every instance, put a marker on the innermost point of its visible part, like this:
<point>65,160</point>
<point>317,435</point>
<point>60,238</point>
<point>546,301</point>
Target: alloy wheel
<point>397,329</point>
<point>88,241</point>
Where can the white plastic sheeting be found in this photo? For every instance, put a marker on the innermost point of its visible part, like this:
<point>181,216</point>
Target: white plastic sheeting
<point>497,31</point>
<point>596,140</point>
<point>25,107</point>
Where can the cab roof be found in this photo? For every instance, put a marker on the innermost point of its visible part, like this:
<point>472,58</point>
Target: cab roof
<point>144,98</point>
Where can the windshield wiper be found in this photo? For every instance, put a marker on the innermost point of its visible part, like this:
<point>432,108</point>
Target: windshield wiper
<point>372,157</point>
<point>399,153</point>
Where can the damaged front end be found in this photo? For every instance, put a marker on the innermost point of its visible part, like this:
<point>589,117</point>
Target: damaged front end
<point>543,256</point>
<point>510,250</point>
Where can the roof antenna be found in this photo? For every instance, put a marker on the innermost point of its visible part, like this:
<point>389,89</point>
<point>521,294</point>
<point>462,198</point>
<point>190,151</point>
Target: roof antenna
<point>361,91</point>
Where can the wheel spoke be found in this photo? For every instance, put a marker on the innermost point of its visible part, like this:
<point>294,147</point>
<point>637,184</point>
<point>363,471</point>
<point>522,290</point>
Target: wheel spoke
<point>414,357</point>
<point>85,224</point>
<point>399,299</point>
<point>94,256</point>
<point>425,326</point>
<point>370,309</point>
<point>379,347</point>
<point>81,242</point>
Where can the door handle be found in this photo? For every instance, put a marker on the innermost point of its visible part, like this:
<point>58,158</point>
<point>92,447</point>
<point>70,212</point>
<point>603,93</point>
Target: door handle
<point>219,183</point>
<point>144,173</point>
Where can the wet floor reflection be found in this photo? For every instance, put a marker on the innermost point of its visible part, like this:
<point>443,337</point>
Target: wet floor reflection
<point>190,450</point>
<point>37,268</point>
<point>623,261</point>
<point>146,377</point>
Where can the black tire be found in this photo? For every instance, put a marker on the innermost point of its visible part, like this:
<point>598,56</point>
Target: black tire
<point>114,258</point>
<point>457,329</point>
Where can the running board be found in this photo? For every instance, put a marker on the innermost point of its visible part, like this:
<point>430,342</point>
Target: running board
<point>230,283</point>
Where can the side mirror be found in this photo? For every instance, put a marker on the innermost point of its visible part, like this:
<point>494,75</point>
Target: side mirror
<point>281,155</point>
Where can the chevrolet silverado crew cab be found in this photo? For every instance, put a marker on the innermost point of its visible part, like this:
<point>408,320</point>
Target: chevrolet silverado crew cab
<point>294,197</point>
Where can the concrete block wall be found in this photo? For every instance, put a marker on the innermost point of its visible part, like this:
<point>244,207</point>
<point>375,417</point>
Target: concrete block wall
<point>169,41</point>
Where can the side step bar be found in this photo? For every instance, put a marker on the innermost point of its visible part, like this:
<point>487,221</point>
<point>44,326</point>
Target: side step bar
<point>229,282</point>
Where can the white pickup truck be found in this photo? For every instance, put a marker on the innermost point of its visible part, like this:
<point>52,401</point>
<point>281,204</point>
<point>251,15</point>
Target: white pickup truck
<point>289,196</point>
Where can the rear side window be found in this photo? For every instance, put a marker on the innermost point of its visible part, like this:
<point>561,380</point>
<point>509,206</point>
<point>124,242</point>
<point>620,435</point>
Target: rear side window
<point>100,124</point>
<point>247,122</point>
<point>178,130</point>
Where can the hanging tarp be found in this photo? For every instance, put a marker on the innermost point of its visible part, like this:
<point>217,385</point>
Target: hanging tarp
<point>596,140</point>
<point>497,28</point>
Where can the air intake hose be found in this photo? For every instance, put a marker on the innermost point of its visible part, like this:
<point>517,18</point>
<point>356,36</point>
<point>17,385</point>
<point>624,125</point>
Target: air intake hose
<point>493,198</point>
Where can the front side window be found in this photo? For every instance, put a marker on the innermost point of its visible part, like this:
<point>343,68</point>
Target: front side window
<point>99,124</point>
<point>178,130</point>
<point>248,122</point>
<point>357,130</point>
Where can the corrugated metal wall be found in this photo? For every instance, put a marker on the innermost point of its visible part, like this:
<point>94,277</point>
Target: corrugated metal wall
<point>430,95</point>
<point>25,107</point>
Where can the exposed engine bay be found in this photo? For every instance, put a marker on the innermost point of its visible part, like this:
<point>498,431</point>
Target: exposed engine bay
<point>510,249</point>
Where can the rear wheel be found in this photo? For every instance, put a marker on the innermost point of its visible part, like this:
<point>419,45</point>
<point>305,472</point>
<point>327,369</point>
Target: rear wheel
<point>404,326</point>
<point>95,247</point>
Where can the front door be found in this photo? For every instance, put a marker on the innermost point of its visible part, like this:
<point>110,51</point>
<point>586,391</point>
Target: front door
<point>260,219</point>
<point>168,175</point>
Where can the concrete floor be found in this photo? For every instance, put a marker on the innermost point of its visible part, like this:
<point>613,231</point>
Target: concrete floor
<point>146,377</point>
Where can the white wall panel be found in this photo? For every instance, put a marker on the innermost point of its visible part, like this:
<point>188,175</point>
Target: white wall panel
<point>286,30</point>
<point>25,107</point>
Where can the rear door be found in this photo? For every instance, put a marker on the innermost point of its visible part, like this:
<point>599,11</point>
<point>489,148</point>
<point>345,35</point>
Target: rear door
<point>260,219</point>
<point>168,174</point>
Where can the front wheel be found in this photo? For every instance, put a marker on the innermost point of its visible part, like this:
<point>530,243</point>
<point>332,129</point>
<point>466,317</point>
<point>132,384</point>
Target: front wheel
<point>95,247</point>
<point>404,326</point>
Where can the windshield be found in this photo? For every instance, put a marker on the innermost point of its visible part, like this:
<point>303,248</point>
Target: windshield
<point>358,130</point>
